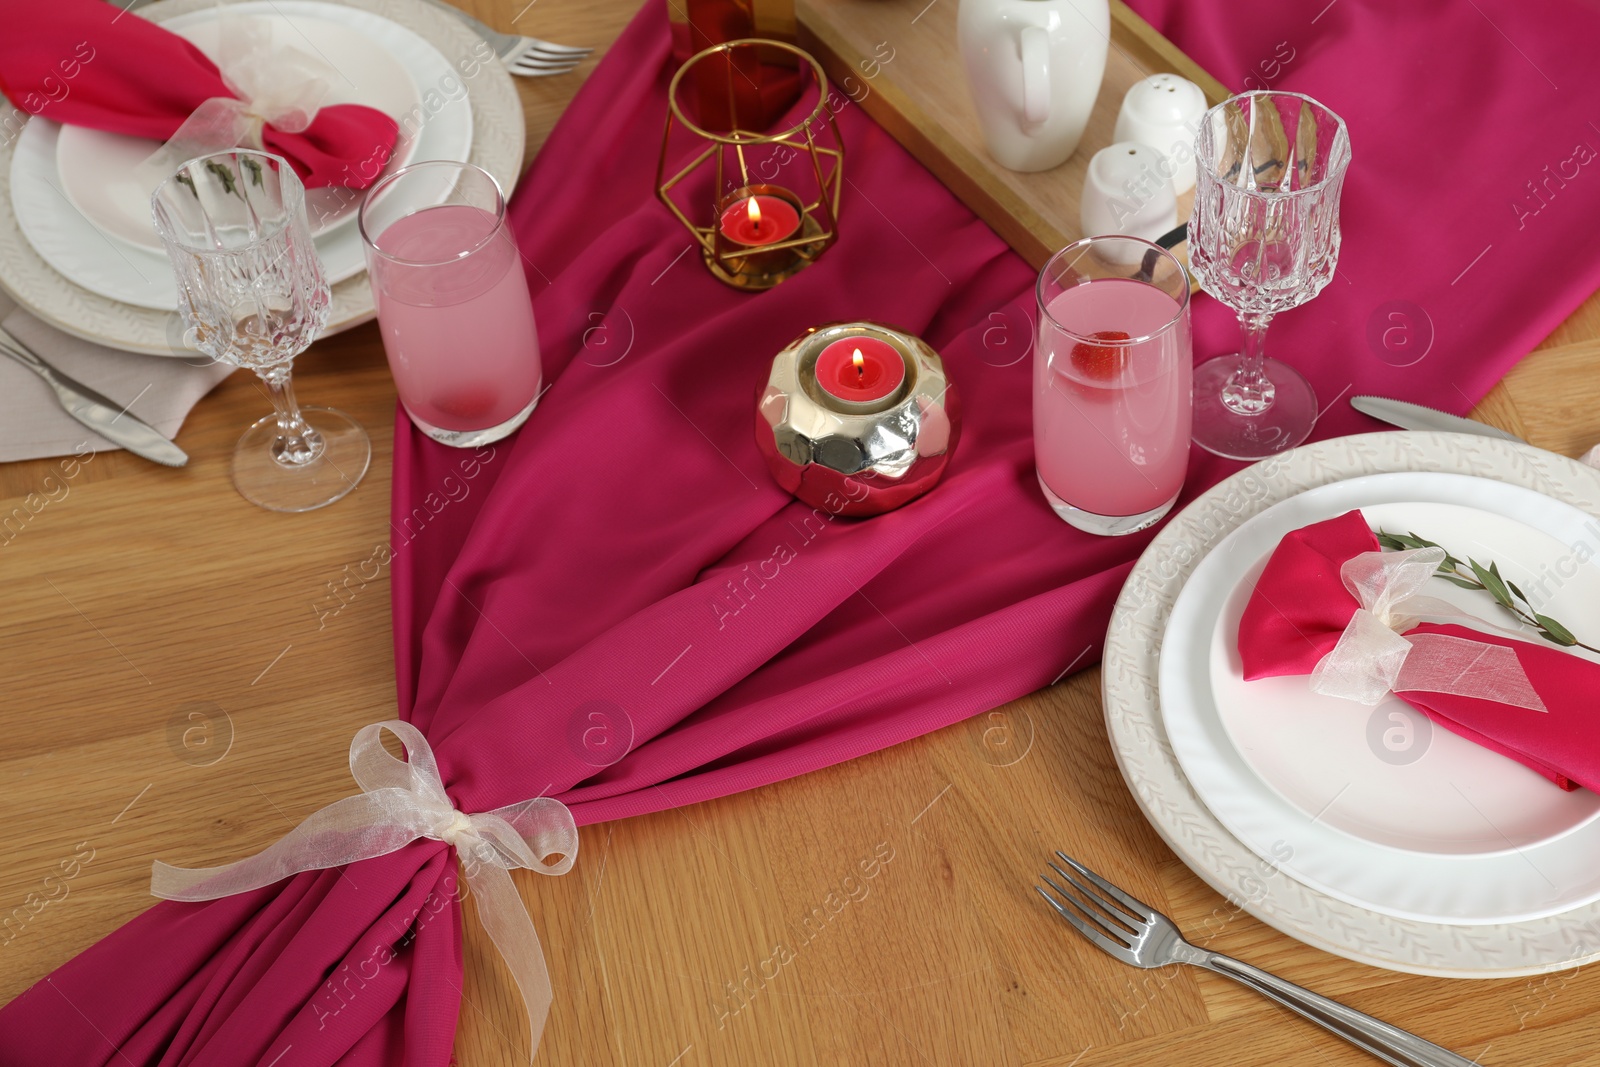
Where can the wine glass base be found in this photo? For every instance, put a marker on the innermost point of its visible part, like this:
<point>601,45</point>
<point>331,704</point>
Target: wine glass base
<point>266,483</point>
<point>1222,431</point>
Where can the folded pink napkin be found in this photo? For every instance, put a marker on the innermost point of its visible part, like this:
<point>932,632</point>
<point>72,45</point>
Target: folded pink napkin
<point>87,63</point>
<point>1300,607</point>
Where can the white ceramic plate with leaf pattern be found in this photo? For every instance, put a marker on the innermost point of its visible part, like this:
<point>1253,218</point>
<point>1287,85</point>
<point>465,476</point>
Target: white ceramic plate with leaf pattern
<point>1433,827</point>
<point>496,146</point>
<point>1144,751</point>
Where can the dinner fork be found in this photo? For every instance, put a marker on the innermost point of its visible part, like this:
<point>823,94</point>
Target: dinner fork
<point>530,57</point>
<point>1137,934</point>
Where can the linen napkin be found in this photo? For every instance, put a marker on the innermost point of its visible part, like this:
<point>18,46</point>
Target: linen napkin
<point>158,389</point>
<point>1300,607</point>
<point>89,63</point>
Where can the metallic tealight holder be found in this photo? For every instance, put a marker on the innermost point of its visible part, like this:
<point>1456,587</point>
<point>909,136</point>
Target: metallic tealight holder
<point>792,171</point>
<point>857,462</point>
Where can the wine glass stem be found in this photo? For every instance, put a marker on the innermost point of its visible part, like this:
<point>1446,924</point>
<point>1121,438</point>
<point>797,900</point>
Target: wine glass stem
<point>1248,390</point>
<point>297,443</point>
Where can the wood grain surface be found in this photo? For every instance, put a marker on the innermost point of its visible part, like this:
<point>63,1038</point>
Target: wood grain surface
<point>899,60</point>
<point>170,691</point>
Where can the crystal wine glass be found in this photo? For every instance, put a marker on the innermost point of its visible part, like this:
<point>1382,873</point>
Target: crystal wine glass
<point>1264,238</point>
<point>252,294</point>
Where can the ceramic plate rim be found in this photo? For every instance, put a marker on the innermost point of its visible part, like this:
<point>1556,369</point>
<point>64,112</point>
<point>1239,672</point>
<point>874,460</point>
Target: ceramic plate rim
<point>498,137</point>
<point>1168,801</point>
<point>1250,807</point>
<point>339,247</point>
<point>181,22</point>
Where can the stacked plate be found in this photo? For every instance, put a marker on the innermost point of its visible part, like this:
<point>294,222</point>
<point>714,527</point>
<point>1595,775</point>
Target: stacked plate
<point>76,243</point>
<point>1368,832</point>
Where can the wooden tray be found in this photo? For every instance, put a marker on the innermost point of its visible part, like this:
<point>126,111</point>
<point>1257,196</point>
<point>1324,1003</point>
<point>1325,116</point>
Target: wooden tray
<point>920,96</point>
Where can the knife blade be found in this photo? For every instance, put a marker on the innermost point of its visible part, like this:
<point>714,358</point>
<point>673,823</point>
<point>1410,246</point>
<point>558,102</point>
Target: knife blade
<point>1409,416</point>
<point>98,412</point>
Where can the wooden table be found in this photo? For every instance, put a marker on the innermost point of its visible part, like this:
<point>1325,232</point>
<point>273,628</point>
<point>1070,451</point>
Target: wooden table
<point>148,602</point>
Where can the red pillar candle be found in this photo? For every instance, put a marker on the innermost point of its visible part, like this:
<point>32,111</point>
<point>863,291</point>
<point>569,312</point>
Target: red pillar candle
<point>759,220</point>
<point>859,372</point>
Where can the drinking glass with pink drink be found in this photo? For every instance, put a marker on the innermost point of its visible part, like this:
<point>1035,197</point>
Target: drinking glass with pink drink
<point>1111,385</point>
<point>453,303</point>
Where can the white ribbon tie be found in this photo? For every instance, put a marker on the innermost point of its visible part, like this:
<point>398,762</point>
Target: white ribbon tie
<point>402,801</point>
<point>1373,658</point>
<point>272,84</point>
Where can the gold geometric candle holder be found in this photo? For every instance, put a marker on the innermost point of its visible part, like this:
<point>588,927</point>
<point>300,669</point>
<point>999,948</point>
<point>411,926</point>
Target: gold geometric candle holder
<point>763,205</point>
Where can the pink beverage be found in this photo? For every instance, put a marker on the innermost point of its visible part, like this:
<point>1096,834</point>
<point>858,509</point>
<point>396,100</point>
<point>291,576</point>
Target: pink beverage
<point>458,328</point>
<point>1111,418</point>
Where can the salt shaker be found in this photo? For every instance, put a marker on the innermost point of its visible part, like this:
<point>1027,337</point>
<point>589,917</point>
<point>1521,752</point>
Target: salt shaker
<point>1128,191</point>
<point>1164,111</point>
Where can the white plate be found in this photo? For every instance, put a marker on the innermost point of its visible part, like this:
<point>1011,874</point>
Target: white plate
<point>1144,752</point>
<point>496,130</point>
<point>69,242</point>
<point>97,169</point>
<point>50,211</point>
<point>1428,825</point>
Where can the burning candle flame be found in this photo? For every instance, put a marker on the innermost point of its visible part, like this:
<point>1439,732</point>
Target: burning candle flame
<point>753,209</point>
<point>860,363</point>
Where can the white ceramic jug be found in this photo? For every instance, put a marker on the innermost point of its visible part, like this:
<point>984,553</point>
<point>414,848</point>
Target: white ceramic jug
<point>1034,68</point>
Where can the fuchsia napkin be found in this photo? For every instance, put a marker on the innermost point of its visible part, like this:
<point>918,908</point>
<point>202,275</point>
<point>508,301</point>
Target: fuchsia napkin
<point>87,63</point>
<point>1300,606</point>
<point>590,608</point>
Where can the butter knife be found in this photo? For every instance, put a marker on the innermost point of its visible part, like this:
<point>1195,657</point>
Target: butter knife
<point>99,413</point>
<point>1409,416</point>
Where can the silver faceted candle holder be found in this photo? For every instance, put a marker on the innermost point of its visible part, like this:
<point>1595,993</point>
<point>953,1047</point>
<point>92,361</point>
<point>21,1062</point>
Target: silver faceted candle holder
<point>857,457</point>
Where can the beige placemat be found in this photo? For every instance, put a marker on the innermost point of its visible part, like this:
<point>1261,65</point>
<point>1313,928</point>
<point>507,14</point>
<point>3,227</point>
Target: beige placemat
<point>158,389</point>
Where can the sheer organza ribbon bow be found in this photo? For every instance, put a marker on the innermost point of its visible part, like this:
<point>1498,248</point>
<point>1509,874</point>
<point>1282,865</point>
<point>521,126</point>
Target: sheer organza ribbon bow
<point>401,802</point>
<point>272,84</point>
<point>1373,658</point>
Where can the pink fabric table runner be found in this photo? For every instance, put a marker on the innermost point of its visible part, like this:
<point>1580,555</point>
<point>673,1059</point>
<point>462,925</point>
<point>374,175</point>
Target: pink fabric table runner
<point>617,608</point>
<point>635,495</point>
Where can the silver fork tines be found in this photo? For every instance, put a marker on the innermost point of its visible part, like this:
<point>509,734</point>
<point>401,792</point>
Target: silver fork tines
<point>531,57</point>
<point>1097,933</point>
<point>1123,926</point>
<point>535,58</point>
